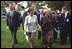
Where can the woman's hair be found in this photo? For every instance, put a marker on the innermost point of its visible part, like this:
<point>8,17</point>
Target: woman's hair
<point>65,8</point>
<point>49,13</point>
<point>30,9</point>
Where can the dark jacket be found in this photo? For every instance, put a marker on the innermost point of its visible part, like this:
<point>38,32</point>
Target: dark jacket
<point>15,20</point>
<point>63,20</point>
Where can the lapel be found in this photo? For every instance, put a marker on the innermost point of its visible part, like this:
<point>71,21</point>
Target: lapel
<point>67,15</point>
<point>13,13</point>
<point>63,16</point>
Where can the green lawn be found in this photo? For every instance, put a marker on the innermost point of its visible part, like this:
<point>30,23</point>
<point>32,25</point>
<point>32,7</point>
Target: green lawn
<point>22,43</point>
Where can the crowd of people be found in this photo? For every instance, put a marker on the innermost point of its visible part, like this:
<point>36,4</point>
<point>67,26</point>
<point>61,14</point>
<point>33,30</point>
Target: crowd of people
<point>45,22</point>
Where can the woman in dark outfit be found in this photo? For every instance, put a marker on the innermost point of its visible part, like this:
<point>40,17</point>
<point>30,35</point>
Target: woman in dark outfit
<point>47,29</point>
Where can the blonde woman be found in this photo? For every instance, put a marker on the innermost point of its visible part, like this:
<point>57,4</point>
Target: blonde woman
<point>30,26</point>
<point>47,29</point>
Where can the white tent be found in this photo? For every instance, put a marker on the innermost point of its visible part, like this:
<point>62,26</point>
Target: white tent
<point>23,3</point>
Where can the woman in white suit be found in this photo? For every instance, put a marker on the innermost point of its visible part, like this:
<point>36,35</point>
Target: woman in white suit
<point>31,26</point>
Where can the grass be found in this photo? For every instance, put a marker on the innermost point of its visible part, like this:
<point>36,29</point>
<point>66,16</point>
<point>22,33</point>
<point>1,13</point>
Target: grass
<point>22,43</point>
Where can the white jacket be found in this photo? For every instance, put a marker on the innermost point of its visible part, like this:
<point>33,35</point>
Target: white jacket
<point>31,23</point>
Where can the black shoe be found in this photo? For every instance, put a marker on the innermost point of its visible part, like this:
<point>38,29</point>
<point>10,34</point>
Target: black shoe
<point>16,42</point>
<point>13,45</point>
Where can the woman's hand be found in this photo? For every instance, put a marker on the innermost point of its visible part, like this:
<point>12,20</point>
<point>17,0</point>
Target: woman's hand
<point>7,27</point>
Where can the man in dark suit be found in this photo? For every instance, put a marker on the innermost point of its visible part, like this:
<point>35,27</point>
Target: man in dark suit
<point>13,22</point>
<point>68,25</point>
<point>64,25</point>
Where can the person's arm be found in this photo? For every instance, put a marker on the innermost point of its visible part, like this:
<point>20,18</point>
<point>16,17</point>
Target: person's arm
<point>38,26</point>
<point>18,14</point>
<point>41,22</point>
<point>61,20</point>
<point>19,19</point>
<point>7,17</point>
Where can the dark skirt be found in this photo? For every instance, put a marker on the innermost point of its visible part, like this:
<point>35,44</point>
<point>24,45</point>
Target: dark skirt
<point>47,38</point>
